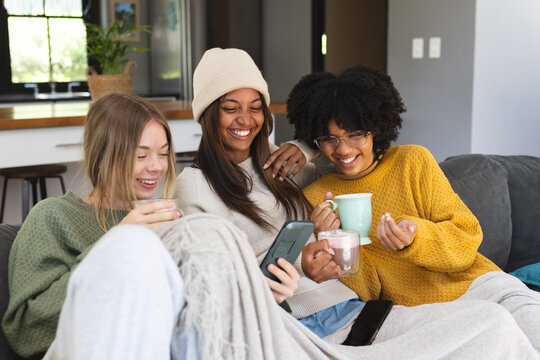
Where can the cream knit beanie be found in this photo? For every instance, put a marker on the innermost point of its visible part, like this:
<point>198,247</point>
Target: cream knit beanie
<point>221,71</point>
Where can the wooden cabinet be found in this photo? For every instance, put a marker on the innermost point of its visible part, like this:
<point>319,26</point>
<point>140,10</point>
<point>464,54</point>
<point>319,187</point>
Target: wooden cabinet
<point>38,146</point>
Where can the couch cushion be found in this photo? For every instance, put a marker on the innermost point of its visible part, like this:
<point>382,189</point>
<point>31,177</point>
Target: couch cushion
<point>524,188</point>
<point>482,184</point>
<point>530,275</point>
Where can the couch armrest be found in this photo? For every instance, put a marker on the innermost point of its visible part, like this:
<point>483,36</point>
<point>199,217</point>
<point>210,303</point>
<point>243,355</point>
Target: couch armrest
<point>524,188</point>
<point>482,184</point>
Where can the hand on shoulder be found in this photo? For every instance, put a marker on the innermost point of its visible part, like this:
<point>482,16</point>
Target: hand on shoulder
<point>283,159</point>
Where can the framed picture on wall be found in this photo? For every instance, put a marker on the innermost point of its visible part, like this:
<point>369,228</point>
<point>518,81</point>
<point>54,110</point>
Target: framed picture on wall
<point>129,10</point>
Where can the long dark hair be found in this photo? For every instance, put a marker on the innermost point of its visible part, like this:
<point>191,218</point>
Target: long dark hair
<point>232,184</point>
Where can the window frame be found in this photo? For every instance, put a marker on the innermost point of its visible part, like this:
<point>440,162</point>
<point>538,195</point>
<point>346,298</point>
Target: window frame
<point>91,14</point>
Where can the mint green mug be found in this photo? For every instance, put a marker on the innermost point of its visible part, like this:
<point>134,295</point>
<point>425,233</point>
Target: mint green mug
<point>354,213</point>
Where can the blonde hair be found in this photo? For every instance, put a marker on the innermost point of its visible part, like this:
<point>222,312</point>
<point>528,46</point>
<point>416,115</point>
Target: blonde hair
<point>113,129</point>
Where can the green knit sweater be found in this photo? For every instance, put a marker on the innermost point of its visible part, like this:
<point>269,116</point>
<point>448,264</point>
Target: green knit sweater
<point>56,236</point>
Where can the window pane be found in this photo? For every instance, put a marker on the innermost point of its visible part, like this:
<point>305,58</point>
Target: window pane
<point>68,49</point>
<point>24,7</point>
<point>29,49</point>
<point>63,8</point>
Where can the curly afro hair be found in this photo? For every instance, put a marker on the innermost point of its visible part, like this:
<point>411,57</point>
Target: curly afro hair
<point>360,98</point>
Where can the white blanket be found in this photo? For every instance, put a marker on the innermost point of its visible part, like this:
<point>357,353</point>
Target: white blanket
<point>231,309</point>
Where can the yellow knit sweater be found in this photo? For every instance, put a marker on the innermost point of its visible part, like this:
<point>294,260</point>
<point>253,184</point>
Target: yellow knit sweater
<point>442,260</point>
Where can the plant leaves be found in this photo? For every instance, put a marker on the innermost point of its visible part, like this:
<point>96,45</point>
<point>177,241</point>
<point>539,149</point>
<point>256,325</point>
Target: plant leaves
<point>108,46</point>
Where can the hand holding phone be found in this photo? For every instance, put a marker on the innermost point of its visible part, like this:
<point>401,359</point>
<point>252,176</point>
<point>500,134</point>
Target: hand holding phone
<point>288,280</point>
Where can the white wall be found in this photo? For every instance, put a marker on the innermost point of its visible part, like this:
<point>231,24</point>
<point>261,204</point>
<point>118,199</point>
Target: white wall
<point>506,115</point>
<point>436,92</point>
<point>481,95</point>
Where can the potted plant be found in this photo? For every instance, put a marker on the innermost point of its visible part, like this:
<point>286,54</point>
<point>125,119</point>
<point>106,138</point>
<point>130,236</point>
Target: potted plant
<point>108,46</point>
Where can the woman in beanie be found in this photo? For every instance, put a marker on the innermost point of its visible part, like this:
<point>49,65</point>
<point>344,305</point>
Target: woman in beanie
<point>229,179</point>
<point>425,239</point>
<point>231,104</point>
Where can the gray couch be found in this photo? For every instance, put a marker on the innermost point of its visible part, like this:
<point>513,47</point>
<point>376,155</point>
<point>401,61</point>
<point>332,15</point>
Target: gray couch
<point>502,191</point>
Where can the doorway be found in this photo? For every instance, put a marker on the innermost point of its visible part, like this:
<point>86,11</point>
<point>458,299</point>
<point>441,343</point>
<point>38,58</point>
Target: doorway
<point>356,32</point>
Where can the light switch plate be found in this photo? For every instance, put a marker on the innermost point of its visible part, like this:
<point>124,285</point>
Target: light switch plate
<point>435,47</point>
<point>417,48</point>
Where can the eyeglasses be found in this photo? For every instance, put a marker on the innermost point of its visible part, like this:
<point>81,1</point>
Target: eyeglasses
<point>331,143</point>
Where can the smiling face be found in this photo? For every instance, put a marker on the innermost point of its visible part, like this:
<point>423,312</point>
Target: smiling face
<point>350,161</point>
<point>151,162</point>
<point>241,118</point>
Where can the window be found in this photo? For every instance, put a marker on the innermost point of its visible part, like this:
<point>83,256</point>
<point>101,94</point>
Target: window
<point>46,43</point>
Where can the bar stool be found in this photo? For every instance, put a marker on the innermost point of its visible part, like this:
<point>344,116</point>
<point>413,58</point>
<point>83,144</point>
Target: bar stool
<point>31,175</point>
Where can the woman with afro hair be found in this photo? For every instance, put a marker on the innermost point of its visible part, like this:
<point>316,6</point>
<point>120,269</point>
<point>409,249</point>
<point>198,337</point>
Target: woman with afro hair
<point>424,238</point>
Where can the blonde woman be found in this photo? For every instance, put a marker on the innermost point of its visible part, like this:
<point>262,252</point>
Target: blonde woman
<point>128,151</point>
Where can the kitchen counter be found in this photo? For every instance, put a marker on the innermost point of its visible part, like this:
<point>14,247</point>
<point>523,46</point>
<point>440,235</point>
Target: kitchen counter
<point>73,113</point>
<point>52,133</point>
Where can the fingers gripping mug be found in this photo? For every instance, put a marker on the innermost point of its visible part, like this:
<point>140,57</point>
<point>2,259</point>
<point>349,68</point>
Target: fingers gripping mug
<point>354,213</point>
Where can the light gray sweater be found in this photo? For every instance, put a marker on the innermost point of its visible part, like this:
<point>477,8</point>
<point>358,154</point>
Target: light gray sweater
<point>196,195</point>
